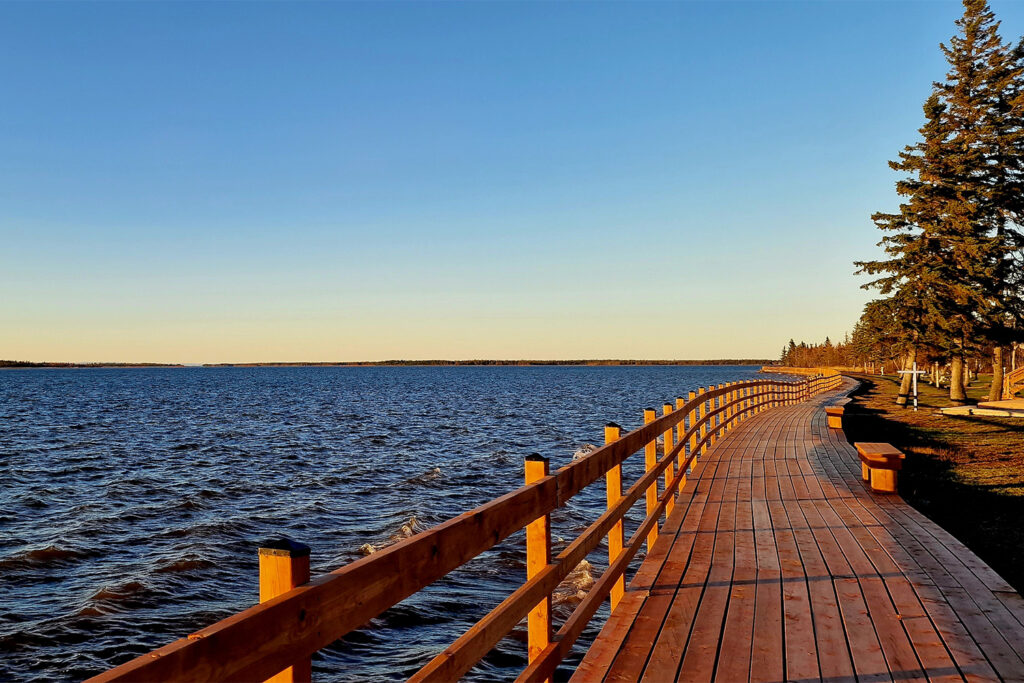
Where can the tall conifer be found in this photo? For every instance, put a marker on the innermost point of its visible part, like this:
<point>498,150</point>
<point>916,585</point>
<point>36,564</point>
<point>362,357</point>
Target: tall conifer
<point>917,275</point>
<point>953,267</point>
<point>983,90</point>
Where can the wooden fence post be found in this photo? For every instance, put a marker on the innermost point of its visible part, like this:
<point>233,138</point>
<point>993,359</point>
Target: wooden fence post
<point>725,409</point>
<point>680,431</point>
<point>538,556</point>
<point>669,471</point>
<point>702,411</point>
<point>721,415</point>
<point>694,415</point>
<point>284,565</point>
<point>731,410</point>
<point>650,460</point>
<point>716,417</point>
<point>616,539</point>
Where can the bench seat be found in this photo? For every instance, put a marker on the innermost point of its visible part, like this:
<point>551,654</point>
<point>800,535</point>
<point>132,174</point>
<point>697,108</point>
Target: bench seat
<point>835,416</point>
<point>835,412</point>
<point>879,464</point>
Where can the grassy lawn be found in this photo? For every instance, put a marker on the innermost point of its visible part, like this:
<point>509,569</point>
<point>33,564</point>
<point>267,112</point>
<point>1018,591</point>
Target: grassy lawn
<point>965,473</point>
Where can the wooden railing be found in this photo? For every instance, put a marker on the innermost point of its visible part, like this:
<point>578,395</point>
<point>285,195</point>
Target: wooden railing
<point>277,637</point>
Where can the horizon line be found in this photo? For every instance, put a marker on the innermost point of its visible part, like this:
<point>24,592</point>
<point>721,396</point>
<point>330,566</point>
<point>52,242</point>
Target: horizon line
<point>13,364</point>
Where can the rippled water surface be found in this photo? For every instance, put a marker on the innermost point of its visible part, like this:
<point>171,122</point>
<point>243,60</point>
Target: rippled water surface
<point>134,499</point>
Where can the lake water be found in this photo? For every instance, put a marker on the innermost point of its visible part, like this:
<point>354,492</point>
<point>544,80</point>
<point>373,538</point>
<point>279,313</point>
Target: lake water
<point>134,499</point>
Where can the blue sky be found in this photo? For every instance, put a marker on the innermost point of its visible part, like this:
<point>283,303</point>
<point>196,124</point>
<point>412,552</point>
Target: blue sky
<point>328,181</point>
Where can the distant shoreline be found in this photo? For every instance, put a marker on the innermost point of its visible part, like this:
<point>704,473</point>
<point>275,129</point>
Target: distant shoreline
<point>15,364</point>
<point>402,363</point>
<point>10,364</point>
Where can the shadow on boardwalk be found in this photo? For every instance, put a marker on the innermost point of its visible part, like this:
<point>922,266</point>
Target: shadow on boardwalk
<point>986,517</point>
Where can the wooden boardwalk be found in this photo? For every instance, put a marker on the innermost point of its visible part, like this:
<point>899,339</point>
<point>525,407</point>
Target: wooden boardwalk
<point>777,564</point>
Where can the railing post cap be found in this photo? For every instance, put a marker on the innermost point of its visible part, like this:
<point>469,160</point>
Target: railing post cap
<point>612,425</point>
<point>284,547</point>
<point>646,410</point>
<point>536,457</point>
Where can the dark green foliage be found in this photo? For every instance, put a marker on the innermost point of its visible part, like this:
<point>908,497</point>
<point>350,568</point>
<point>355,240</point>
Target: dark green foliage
<point>952,269</point>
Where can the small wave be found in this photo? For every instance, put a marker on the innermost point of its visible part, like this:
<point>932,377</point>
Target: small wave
<point>574,587</point>
<point>41,557</point>
<point>90,611</point>
<point>410,528</point>
<point>428,476</point>
<point>118,593</point>
<point>183,565</point>
<point>212,529</point>
<point>185,447</point>
<point>188,504</point>
<point>583,451</point>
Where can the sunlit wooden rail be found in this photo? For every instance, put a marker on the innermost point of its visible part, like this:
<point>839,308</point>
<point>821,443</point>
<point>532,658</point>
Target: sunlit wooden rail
<point>276,637</point>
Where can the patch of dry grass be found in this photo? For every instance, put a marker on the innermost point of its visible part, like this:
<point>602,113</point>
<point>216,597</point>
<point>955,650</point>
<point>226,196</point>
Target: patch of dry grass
<point>966,473</point>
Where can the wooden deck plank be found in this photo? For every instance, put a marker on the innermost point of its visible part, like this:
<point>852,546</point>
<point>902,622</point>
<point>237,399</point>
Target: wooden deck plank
<point>779,564</point>
<point>669,644</point>
<point>896,647</point>
<point>798,624</point>
<point>633,654</point>
<point>738,634</point>
<point>767,661</point>
<point>868,660</point>
<point>701,653</point>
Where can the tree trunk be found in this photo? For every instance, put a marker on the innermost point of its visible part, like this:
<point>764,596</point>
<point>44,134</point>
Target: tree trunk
<point>908,364</point>
<point>957,395</point>
<point>995,392</point>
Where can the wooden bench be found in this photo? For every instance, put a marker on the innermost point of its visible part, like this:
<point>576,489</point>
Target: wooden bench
<point>879,464</point>
<point>835,416</point>
<point>835,413</point>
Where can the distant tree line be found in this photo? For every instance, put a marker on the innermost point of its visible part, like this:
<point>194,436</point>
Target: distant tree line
<point>30,364</point>
<point>952,279</point>
<point>805,355</point>
<point>399,363</point>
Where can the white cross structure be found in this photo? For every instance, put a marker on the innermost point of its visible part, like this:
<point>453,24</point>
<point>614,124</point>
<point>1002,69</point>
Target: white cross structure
<point>915,372</point>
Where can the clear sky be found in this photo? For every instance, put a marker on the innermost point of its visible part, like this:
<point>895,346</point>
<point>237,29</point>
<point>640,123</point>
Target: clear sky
<point>277,181</point>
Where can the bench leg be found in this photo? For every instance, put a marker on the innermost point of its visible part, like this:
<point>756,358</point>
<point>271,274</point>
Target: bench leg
<point>865,472</point>
<point>835,422</point>
<point>883,481</point>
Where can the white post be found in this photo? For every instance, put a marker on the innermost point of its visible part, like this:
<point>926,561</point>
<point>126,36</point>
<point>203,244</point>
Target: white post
<point>915,372</point>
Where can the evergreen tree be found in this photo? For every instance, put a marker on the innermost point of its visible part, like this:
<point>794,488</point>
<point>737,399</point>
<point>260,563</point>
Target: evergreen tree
<point>953,266</point>
<point>983,89</point>
<point>917,277</point>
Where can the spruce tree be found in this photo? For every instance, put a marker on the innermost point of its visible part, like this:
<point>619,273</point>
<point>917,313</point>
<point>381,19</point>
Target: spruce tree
<point>917,277</point>
<point>984,92</point>
<point>953,269</point>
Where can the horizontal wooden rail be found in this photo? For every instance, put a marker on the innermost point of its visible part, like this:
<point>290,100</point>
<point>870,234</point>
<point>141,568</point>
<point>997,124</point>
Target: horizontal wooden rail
<point>259,642</point>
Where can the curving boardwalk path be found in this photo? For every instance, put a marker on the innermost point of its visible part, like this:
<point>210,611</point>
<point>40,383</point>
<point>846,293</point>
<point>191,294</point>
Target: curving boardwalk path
<point>778,564</point>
